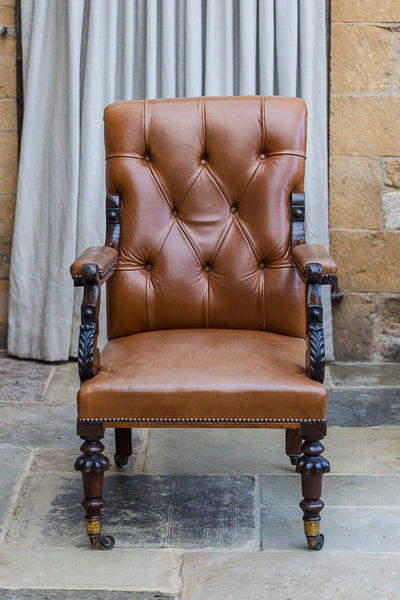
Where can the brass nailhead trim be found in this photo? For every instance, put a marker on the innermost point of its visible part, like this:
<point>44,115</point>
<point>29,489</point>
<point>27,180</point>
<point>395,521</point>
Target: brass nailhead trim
<point>195,420</point>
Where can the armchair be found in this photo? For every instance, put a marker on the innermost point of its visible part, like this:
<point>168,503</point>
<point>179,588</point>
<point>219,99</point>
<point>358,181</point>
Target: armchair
<point>214,314</point>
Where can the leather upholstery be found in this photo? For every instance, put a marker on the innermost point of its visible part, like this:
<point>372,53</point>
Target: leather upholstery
<point>202,376</point>
<point>305,254</point>
<point>205,186</point>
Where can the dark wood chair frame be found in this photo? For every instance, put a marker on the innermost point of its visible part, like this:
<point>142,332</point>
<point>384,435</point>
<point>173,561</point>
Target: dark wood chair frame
<point>306,456</point>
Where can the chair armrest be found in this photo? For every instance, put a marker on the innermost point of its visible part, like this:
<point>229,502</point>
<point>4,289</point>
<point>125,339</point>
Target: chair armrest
<point>104,260</point>
<point>316,267</point>
<point>313,254</point>
<point>91,270</point>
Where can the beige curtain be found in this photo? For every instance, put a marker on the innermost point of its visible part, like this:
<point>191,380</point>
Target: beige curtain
<point>79,55</point>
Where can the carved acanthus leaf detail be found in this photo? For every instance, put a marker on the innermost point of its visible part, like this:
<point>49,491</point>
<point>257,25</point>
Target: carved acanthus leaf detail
<point>86,351</point>
<point>317,352</point>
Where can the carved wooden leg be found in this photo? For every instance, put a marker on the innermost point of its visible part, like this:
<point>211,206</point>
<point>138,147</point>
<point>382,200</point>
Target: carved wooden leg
<point>92,464</point>
<point>312,466</point>
<point>293,444</point>
<point>123,446</point>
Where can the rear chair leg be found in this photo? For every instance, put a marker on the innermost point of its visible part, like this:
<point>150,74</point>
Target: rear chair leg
<point>92,464</point>
<point>312,466</point>
<point>123,446</point>
<point>293,444</point>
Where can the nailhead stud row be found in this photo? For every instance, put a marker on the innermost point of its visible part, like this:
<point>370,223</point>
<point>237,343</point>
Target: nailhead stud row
<point>195,420</point>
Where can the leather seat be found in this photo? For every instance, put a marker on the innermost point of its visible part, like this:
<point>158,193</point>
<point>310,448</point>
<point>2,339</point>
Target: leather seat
<point>214,314</point>
<point>203,376</point>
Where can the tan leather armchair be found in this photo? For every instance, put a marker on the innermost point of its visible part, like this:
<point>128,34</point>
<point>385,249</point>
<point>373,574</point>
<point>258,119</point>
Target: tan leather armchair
<point>213,297</point>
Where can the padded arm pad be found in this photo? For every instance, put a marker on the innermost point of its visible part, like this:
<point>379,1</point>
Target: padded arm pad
<point>305,254</point>
<point>104,257</point>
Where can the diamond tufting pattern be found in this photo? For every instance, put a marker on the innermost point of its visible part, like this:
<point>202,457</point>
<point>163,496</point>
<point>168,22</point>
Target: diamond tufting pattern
<point>205,185</point>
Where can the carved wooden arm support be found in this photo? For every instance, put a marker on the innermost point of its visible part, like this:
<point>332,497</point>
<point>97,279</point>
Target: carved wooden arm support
<point>316,268</point>
<point>91,270</point>
<point>88,354</point>
<point>315,356</point>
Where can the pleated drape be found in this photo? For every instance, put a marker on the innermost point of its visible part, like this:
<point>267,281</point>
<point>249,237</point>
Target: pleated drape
<point>80,55</point>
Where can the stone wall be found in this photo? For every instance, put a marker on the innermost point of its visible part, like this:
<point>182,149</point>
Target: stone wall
<point>8,153</point>
<point>365,177</point>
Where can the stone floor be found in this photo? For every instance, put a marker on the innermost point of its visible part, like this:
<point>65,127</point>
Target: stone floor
<point>199,514</point>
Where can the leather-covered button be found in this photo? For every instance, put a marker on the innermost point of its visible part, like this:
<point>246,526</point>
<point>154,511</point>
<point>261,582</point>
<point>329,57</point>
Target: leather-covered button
<point>175,213</point>
<point>147,158</point>
<point>262,156</point>
<point>233,209</point>
<point>148,267</point>
<point>261,265</point>
<point>203,161</point>
<point>207,268</point>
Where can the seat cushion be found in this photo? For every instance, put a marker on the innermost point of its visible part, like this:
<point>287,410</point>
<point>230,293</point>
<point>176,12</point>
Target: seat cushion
<point>202,377</point>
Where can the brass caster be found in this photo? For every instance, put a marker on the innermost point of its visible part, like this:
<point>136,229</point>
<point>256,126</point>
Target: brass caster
<point>316,543</point>
<point>315,539</point>
<point>104,542</point>
<point>294,459</point>
<point>120,460</point>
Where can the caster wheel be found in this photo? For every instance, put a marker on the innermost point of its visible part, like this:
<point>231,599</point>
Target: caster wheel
<point>294,459</point>
<point>318,542</point>
<point>120,460</point>
<point>105,542</point>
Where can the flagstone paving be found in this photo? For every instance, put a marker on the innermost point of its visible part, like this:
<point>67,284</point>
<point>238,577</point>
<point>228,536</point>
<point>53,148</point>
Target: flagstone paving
<point>198,514</point>
<point>81,595</point>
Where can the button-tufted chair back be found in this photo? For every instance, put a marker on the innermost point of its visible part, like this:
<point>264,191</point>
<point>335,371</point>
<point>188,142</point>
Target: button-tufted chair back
<point>205,186</point>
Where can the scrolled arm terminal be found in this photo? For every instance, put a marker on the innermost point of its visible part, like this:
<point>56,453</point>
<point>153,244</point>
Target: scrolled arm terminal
<point>309,254</point>
<point>104,258</point>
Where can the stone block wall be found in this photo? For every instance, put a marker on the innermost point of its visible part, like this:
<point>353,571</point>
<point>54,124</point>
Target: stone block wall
<point>8,152</point>
<point>364,180</point>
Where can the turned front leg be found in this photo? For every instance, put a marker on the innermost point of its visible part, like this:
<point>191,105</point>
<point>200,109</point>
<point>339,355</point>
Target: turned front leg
<point>312,466</point>
<point>92,464</point>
